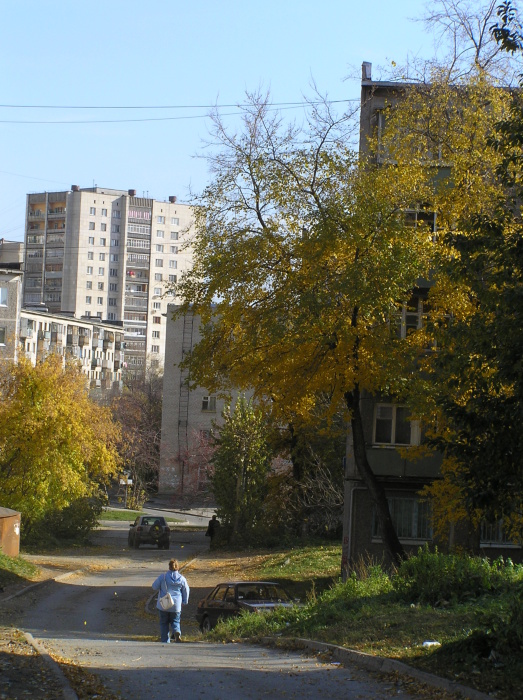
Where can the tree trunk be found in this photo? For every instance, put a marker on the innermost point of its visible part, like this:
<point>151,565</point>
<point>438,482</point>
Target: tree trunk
<point>376,490</point>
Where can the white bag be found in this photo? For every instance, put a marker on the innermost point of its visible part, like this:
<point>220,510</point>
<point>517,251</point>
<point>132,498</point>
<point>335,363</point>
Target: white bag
<point>166,601</point>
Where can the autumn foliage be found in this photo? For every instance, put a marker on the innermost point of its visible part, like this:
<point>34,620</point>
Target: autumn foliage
<point>56,445</point>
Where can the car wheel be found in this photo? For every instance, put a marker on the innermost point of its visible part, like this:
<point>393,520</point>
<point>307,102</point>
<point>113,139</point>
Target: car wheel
<point>206,625</point>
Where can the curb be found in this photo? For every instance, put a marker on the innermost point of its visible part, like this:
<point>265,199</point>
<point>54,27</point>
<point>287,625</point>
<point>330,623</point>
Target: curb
<point>61,577</point>
<point>379,664</point>
<point>67,691</point>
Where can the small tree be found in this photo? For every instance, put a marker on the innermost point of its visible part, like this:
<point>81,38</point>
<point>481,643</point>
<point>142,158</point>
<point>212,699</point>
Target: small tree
<point>241,462</point>
<point>139,412</point>
<point>56,445</point>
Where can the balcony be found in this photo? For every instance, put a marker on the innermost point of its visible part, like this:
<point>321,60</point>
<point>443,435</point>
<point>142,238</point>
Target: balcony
<point>36,214</point>
<point>44,335</point>
<point>72,339</point>
<point>83,340</point>
<point>96,362</point>
<point>57,211</point>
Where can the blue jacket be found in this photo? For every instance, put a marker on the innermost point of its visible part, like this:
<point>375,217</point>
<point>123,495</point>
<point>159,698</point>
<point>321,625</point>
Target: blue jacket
<point>177,586</point>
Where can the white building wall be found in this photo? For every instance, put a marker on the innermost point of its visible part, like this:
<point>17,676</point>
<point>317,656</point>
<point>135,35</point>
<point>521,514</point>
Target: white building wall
<point>187,416</point>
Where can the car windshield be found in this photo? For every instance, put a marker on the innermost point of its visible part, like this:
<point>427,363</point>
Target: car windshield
<point>153,521</point>
<point>262,592</point>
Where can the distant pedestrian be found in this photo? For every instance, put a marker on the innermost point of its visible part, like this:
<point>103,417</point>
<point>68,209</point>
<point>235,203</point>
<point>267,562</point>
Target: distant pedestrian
<point>212,528</point>
<point>174,583</point>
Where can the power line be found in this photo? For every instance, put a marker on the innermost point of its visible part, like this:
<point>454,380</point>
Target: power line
<point>281,107</point>
<point>215,106</point>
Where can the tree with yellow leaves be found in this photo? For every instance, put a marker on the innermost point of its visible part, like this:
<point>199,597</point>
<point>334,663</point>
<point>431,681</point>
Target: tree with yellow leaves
<point>302,254</point>
<point>470,391</point>
<point>56,445</point>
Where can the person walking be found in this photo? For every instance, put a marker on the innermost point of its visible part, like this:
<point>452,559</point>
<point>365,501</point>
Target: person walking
<point>213,528</point>
<point>174,583</point>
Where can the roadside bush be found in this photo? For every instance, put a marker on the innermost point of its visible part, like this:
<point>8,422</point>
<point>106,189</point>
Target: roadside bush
<point>75,522</point>
<point>505,626</point>
<point>431,577</point>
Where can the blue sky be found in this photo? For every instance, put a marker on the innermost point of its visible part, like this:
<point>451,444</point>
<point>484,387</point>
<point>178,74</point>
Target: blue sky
<point>166,52</point>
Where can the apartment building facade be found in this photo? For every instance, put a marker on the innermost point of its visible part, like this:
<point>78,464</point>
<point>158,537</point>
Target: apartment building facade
<point>387,427</point>
<point>96,345</point>
<point>188,414</point>
<point>108,254</point>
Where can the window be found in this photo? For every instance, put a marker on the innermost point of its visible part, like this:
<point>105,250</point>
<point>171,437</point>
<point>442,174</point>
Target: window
<point>101,256</point>
<point>158,276</point>
<point>160,219</point>
<point>113,287</point>
<point>117,214</point>
<point>103,241</point>
<point>157,319</point>
<point>113,258</point>
<point>91,240</point>
<point>115,228</point>
<point>173,278</point>
<point>103,227</point>
<point>90,255</point>
<point>157,291</point>
<point>155,348</point>
<point>494,535</point>
<point>91,226</point>
<point>92,211</point>
<point>111,316</point>
<point>174,235</point>
<point>115,242</point>
<point>160,233</point>
<point>88,300</point>
<point>88,285</point>
<point>112,301</point>
<point>113,272</point>
<point>174,249</point>
<point>159,248</point>
<point>158,262</point>
<point>104,212</point>
<point>2,335</point>
<point>3,296</point>
<point>99,301</point>
<point>411,517</point>
<point>409,317</point>
<point>156,334</point>
<point>89,270</point>
<point>209,403</point>
<point>157,305</point>
<point>101,270</point>
<point>391,425</point>
<point>173,264</point>
<point>101,286</point>
<point>175,221</point>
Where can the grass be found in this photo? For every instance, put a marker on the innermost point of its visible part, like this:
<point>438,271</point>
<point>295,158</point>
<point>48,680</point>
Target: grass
<point>371,613</point>
<point>129,515</point>
<point>15,569</point>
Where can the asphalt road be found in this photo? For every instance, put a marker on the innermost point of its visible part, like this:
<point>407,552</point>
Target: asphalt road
<point>98,619</point>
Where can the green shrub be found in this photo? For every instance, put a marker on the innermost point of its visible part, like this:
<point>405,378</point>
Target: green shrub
<point>431,577</point>
<point>74,522</point>
<point>505,625</point>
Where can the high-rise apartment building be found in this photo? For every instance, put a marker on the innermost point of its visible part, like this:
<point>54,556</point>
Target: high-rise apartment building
<point>105,253</point>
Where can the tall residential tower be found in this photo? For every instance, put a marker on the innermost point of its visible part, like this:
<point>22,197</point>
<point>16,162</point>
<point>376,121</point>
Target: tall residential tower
<point>107,253</point>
